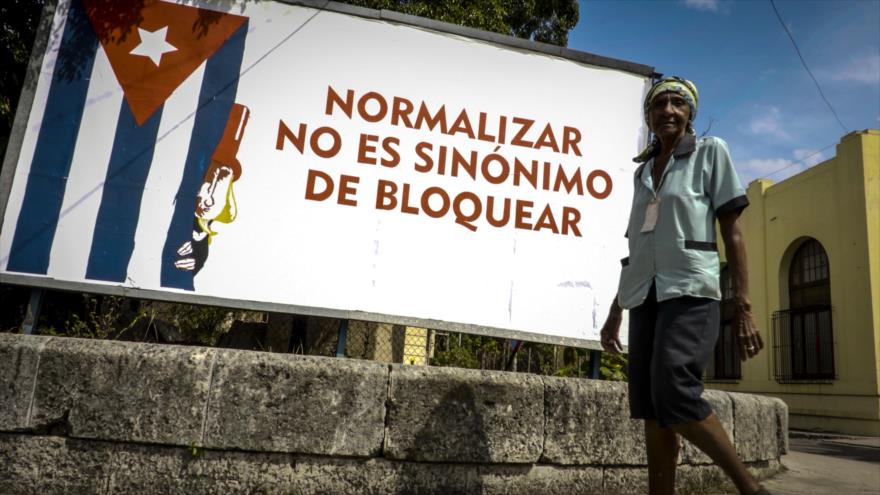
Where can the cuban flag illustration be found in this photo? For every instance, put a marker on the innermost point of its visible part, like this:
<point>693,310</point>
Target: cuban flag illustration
<point>133,84</point>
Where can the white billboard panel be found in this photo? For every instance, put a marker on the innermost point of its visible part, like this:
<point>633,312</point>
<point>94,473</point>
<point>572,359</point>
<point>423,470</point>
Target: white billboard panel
<point>282,156</point>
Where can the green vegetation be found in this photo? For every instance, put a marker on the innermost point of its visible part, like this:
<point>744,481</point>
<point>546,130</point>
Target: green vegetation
<point>547,21</point>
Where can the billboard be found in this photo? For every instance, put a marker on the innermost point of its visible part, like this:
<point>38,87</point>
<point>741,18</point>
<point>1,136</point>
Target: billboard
<point>323,160</point>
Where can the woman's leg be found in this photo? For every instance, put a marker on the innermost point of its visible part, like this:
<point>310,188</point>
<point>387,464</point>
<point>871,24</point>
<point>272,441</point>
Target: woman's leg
<point>686,331</point>
<point>709,436</point>
<point>662,446</point>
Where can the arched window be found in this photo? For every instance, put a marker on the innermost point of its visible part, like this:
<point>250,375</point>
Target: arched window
<point>725,364</point>
<point>809,283</point>
<point>803,332</point>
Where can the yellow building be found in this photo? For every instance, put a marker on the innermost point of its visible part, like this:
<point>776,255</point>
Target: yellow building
<point>813,243</point>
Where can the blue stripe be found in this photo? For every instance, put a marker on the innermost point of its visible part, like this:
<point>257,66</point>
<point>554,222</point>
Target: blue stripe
<point>217,95</point>
<point>47,179</point>
<point>130,159</point>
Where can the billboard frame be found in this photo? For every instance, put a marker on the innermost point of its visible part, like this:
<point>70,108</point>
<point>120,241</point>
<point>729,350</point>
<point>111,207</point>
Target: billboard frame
<point>25,105</point>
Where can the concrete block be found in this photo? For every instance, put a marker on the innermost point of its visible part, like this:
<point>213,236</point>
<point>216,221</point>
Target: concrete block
<point>47,465</point>
<point>587,422</point>
<point>539,479</point>
<point>19,356</point>
<point>755,423</point>
<point>624,480</point>
<point>781,425</point>
<point>702,480</point>
<point>723,408</point>
<point>122,391</point>
<point>458,415</point>
<point>56,465</point>
<point>175,470</point>
<point>302,404</point>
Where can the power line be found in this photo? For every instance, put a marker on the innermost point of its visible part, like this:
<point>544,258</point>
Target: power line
<point>845,130</point>
<point>792,164</point>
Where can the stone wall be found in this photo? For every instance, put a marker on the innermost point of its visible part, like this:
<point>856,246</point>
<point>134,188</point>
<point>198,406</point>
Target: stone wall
<point>85,416</point>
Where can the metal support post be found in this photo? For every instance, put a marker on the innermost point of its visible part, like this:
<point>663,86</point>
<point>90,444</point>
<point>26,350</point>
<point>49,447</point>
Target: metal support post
<point>595,360</point>
<point>33,312</point>
<point>343,333</point>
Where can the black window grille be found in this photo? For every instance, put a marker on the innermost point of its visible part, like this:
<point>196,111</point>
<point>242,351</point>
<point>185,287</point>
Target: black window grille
<point>725,363</point>
<point>803,334</point>
<point>804,344</point>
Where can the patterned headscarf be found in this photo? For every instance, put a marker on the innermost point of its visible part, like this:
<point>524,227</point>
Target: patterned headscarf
<point>679,85</point>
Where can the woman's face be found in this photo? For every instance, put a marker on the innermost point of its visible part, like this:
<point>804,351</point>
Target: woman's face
<point>212,195</point>
<point>668,115</point>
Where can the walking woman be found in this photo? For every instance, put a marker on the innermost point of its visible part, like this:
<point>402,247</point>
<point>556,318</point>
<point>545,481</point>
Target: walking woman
<point>670,284</point>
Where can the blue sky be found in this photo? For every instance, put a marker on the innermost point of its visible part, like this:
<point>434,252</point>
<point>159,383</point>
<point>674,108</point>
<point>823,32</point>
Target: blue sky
<point>753,88</point>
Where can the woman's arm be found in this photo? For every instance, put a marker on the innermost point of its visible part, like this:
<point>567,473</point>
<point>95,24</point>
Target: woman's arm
<point>749,338</point>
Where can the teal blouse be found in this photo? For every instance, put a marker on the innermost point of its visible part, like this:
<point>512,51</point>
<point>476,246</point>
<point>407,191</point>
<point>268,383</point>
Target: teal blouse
<point>680,253</point>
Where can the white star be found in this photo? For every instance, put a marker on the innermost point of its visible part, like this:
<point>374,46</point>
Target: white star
<point>153,44</point>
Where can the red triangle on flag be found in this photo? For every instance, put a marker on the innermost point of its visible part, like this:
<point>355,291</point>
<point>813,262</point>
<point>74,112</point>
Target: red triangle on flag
<point>153,46</point>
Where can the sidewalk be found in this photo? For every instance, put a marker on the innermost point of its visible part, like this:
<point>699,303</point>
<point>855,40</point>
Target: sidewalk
<point>829,465</point>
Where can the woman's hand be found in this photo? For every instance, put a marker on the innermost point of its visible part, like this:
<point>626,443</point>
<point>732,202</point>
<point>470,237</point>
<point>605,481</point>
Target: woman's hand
<point>610,333</point>
<point>747,335</point>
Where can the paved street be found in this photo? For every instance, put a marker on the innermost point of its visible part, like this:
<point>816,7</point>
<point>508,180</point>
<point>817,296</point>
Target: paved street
<point>829,465</point>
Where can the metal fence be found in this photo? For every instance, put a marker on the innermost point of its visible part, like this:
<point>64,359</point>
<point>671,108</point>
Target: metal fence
<point>422,346</point>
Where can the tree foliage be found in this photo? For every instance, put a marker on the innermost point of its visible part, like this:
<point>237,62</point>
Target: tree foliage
<point>18,25</point>
<point>547,21</point>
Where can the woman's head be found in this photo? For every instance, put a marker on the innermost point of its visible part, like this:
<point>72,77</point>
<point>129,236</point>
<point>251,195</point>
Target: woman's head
<point>670,109</point>
<point>670,103</point>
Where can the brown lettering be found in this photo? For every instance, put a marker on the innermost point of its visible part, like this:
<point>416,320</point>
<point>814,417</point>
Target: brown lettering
<point>463,219</point>
<point>570,219</point>
<point>547,139</point>
<point>462,124</point>
<point>525,125</point>
<point>311,183</point>
<point>400,110</point>
<point>393,159</point>
<point>482,135</point>
<point>298,140</point>
<point>344,105</point>
<point>315,144</point>
<point>385,195</point>
<point>347,188</point>
<point>362,107</point>
<point>570,139</point>
<point>426,202</point>
<point>568,184</point>
<point>364,147</point>
<point>592,189</point>
<point>425,117</point>
<point>428,164</point>
<point>505,212</point>
<point>469,165</point>
<point>523,214</point>
<point>546,221</point>
<point>404,204</point>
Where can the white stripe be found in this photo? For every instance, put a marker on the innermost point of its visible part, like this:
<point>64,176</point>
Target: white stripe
<point>32,131</point>
<point>88,171</point>
<point>166,172</point>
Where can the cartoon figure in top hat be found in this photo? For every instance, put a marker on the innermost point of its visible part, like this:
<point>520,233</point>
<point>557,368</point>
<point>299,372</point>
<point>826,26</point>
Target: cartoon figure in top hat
<point>215,201</point>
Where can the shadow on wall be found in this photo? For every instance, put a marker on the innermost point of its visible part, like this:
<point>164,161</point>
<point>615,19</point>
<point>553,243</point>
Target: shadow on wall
<point>456,412</point>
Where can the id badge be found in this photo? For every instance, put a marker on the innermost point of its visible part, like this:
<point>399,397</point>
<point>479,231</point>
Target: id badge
<point>651,213</point>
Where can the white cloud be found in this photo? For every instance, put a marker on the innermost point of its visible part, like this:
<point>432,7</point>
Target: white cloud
<point>810,157</point>
<point>707,5</point>
<point>864,70</point>
<point>778,169</point>
<point>768,122</point>
<point>756,168</point>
